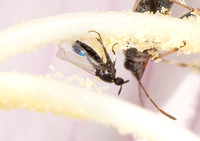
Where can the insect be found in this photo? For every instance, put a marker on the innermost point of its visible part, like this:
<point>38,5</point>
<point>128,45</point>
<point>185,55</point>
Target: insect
<point>194,10</point>
<point>136,61</point>
<point>86,58</point>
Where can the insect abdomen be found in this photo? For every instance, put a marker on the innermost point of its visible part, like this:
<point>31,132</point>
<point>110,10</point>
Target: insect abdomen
<point>146,6</point>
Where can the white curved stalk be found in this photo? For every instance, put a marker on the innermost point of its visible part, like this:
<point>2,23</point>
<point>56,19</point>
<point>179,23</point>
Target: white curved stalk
<point>144,30</point>
<point>44,94</point>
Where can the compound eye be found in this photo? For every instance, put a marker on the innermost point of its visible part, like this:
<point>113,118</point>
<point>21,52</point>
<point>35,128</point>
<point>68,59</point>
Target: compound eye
<point>130,53</point>
<point>119,81</point>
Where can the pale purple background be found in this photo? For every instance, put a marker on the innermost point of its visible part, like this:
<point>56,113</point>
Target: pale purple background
<point>174,89</point>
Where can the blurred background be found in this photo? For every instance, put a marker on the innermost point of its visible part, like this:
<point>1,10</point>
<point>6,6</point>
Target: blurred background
<point>174,89</point>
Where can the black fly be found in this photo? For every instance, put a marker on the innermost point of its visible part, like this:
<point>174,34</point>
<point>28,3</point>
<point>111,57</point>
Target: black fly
<point>86,58</point>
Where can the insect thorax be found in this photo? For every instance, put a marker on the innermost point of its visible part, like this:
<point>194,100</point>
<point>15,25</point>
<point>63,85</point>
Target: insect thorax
<point>135,61</point>
<point>107,74</point>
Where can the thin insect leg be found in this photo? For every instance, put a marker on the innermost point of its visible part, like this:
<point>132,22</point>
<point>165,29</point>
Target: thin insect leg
<point>163,112</point>
<point>186,15</point>
<point>189,65</point>
<point>144,66</point>
<point>139,77</point>
<point>114,61</point>
<point>140,95</point>
<point>100,39</point>
<point>104,48</point>
<point>175,63</point>
<point>113,48</point>
<point>187,7</point>
<point>170,52</point>
<point>102,58</point>
<point>153,7</point>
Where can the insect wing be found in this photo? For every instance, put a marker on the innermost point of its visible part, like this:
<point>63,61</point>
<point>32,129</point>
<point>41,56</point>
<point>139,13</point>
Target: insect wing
<point>67,53</point>
<point>88,53</point>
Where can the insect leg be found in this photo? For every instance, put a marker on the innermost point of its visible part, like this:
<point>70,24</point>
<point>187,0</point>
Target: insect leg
<point>153,6</point>
<point>194,66</point>
<point>140,95</point>
<point>113,48</point>
<point>163,112</point>
<point>187,7</point>
<point>114,61</point>
<point>179,63</point>
<point>187,15</point>
<point>175,63</point>
<point>170,52</point>
<point>144,66</point>
<point>104,48</point>
<point>139,77</point>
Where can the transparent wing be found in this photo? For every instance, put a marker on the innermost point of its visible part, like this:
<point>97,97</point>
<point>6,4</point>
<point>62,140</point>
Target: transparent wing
<point>88,53</point>
<point>67,53</point>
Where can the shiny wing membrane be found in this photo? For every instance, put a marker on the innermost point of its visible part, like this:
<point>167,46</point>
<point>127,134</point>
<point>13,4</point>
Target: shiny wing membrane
<point>78,56</point>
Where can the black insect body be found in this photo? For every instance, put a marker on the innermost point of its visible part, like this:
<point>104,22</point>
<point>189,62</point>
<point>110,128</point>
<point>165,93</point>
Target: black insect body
<point>136,61</point>
<point>105,71</point>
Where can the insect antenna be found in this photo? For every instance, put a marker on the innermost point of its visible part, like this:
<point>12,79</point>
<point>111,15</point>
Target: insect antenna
<point>114,61</point>
<point>120,89</point>
<point>113,48</point>
<point>148,96</point>
<point>171,51</point>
